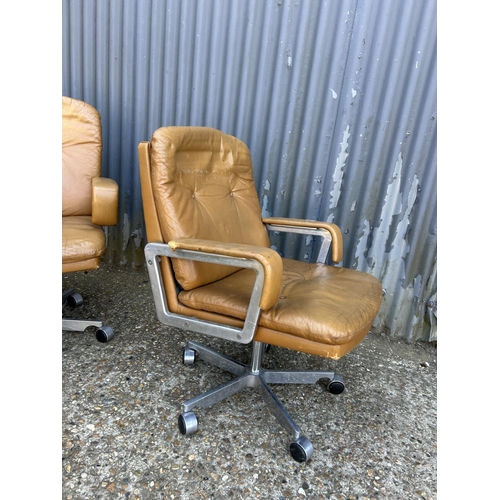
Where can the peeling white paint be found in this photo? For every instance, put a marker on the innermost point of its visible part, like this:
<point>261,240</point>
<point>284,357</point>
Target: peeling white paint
<point>432,314</point>
<point>317,192</point>
<point>354,92</point>
<point>126,231</point>
<point>393,202</point>
<point>334,94</point>
<point>265,199</point>
<point>392,206</point>
<point>353,206</point>
<point>362,264</point>
<point>338,174</point>
<point>137,235</point>
<point>265,206</point>
<point>399,246</point>
<point>389,266</point>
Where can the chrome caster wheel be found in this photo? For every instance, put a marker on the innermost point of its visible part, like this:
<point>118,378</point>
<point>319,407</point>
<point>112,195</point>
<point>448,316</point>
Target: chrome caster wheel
<point>189,356</point>
<point>188,423</point>
<point>74,300</point>
<point>301,450</point>
<point>336,385</point>
<point>104,333</point>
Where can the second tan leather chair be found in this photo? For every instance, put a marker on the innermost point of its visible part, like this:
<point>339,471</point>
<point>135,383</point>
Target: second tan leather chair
<point>89,202</point>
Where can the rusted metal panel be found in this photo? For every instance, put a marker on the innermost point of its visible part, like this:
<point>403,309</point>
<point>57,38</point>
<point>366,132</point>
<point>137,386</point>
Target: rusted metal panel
<point>335,99</point>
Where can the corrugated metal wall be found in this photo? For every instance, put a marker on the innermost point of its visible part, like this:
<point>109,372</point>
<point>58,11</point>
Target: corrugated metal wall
<point>335,99</point>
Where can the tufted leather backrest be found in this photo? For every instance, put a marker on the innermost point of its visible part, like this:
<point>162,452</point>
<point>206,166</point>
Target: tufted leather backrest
<point>81,155</point>
<point>203,188</point>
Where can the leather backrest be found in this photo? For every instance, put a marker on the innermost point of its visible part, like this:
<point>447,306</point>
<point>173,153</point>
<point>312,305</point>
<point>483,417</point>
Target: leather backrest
<point>203,188</point>
<point>81,155</point>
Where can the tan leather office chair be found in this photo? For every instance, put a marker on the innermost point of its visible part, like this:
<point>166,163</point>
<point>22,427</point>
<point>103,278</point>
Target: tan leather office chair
<point>212,271</point>
<point>89,202</point>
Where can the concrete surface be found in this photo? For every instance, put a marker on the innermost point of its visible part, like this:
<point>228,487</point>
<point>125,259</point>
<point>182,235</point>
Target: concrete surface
<point>120,439</point>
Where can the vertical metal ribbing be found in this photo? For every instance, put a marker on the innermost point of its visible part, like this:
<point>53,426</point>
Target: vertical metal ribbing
<point>335,100</point>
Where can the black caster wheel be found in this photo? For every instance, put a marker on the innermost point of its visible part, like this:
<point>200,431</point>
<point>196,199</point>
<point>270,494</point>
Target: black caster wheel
<point>104,334</point>
<point>189,356</point>
<point>188,423</point>
<point>336,385</point>
<point>301,449</point>
<point>74,300</point>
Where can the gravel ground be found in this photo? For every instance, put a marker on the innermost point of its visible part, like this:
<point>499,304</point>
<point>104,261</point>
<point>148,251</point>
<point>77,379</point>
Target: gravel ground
<point>120,402</point>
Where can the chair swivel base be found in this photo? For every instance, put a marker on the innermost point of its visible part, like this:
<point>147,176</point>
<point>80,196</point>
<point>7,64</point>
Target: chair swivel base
<point>103,333</point>
<point>258,378</point>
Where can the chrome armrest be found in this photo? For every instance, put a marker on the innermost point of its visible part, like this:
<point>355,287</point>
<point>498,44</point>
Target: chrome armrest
<point>330,234</point>
<point>153,252</point>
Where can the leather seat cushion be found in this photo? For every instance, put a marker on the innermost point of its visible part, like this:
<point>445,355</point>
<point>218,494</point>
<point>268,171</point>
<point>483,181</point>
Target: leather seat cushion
<point>318,302</point>
<point>81,239</point>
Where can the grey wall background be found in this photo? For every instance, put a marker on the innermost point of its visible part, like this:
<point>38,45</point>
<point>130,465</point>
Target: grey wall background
<point>335,99</point>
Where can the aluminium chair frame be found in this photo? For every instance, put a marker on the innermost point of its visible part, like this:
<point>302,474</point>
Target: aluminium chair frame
<point>103,333</point>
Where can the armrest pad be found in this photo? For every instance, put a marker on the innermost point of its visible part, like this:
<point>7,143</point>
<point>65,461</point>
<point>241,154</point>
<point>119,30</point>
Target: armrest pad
<point>333,229</point>
<point>268,258</point>
<point>104,201</point>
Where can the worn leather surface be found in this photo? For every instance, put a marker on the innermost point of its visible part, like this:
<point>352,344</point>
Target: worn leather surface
<point>81,155</point>
<point>81,239</point>
<point>153,231</point>
<point>104,201</point>
<point>204,188</point>
<point>269,259</point>
<point>326,304</point>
